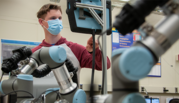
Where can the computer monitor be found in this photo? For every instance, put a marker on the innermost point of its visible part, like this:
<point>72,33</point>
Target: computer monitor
<point>81,19</point>
<point>155,100</point>
<point>148,100</point>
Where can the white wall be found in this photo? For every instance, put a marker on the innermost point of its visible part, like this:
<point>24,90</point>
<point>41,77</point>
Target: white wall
<point>18,22</point>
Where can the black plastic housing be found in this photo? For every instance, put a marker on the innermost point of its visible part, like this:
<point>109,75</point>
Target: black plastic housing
<point>132,16</point>
<point>18,54</point>
<point>73,25</point>
<point>42,72</point>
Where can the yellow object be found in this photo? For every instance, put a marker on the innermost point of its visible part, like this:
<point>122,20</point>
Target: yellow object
<point>113,29</point>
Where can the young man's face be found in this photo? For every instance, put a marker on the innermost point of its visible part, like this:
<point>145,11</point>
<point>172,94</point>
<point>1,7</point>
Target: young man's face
<point>52,15</point>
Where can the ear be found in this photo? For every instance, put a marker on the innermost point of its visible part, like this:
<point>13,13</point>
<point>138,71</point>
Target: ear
<point>40,21</point>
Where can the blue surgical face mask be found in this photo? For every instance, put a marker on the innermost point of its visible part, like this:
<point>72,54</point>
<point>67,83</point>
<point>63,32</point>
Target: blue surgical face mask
<point>54,26</point>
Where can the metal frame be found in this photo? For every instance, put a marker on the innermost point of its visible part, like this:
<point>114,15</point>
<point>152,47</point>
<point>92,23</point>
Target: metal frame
<point>103,23</point>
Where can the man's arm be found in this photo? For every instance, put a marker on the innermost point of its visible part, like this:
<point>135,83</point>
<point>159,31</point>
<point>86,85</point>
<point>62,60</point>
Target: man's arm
<point>98,54</point>
<point>86,60</point>
<point>85,57</point>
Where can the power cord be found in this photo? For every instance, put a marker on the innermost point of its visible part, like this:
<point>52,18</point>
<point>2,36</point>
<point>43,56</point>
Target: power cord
<point>58,96</point>
<point>93,67</point>
<point>19,91</point>
<point>93,62</point>
<point>14,91</point>
<point>102,52</point>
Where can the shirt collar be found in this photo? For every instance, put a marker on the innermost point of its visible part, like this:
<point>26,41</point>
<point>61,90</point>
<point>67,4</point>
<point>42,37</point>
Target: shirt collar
<point>61,41</point>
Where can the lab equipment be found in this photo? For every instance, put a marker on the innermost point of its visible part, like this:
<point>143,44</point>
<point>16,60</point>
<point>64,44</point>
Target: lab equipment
<point>141,56</point>
<point>56,60</point>
<point>135,14</point>
<point>91,17</point>
<point>11,63</point>
<point>86,15</point>
<point>132,64</point>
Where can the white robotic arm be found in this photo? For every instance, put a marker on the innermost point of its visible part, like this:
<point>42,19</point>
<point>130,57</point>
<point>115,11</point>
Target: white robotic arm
<point>56,60</point>
<point>132,64</point>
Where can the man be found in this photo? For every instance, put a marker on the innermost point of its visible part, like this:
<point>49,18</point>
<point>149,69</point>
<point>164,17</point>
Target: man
<point>50,18</point>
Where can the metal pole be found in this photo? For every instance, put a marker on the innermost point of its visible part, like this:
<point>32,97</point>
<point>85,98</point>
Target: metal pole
<point>104,63</point>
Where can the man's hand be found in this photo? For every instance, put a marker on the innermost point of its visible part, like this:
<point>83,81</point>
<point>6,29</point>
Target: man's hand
<point>89,46</point>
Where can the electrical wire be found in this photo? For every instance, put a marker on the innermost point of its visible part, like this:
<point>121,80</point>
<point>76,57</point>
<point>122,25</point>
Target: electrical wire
<point>101,35</point>
<point>102,52</point>
<point>93,62</point>
<point>35,100</point>
<point>1,76</point>
<point>19,91</point>
<point>58,96</point>
<point>15,91</point>
<point>93,67</point>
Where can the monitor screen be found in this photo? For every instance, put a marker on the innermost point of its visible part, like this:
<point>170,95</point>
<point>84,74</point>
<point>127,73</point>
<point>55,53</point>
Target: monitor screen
<point>148,100</point>
<point>155,100</point>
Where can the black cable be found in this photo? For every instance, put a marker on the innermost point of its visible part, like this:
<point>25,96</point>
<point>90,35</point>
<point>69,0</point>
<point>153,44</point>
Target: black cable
<point>1,76</point>
<point>58,96</point>
<point>72,69</point>
<point>44,92</point>
<point>19,91</point>
<point>102,53</point>
<point>75,71</point>
<point>15,91</point>
<point>38,73</point>
<point>93,62</point>
<point>93,66</point>
<point>103,34</point>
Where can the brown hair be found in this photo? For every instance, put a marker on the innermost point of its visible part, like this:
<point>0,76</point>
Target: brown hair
<point>46,8</point>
